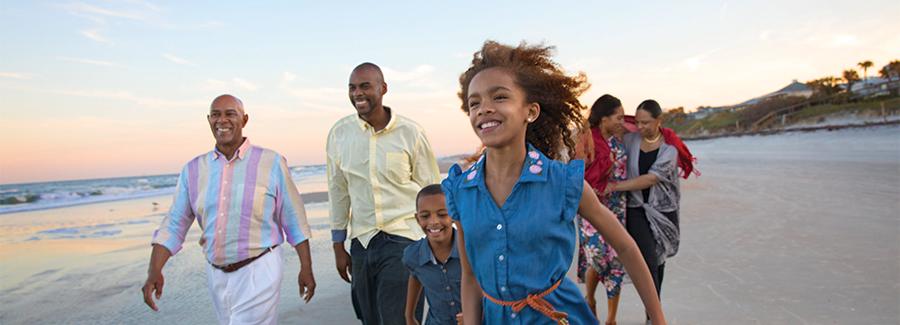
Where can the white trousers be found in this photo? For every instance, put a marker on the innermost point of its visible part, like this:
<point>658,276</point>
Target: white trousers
<point>249,295</point>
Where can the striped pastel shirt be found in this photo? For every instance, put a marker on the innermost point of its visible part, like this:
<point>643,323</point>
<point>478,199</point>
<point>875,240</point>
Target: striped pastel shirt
<point>243,206</point>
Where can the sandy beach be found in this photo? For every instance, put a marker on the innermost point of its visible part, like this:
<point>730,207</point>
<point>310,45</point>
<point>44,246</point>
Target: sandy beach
<point>800,228</point>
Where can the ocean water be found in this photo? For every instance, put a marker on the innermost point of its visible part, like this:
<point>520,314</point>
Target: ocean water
<point>48,195</point>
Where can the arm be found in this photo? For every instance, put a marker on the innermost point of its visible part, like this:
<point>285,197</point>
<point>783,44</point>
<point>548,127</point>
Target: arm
<point>470,290</point>
<point>584,149</point>
<point>305,280</point>
<point>664,169</point>
<point>605,222</point>
<point>339,202</point>
<point>294,224</point>
<point>154,284</point>
<point>413,291</point>
<point>635,184</point>
<point>168,239</point>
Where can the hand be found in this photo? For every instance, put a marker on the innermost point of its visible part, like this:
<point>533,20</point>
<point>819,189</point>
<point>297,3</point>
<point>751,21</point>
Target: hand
<point>459,319</point>
<point>342,261</point>
<point>153,286</point>
<point>307,283</point>
<point>611,187</point>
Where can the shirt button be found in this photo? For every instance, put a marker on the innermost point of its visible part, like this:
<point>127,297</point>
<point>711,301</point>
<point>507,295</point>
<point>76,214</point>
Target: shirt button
<point>452,303</point>
<point>445,270</point>
<point>500,258</point>
<point>499,226</point>
<point>503,288</point>
<point>448,288</point>
<point>513,315</point>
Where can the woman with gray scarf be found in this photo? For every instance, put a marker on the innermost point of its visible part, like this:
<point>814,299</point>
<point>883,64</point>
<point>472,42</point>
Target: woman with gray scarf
<point>652,214</point>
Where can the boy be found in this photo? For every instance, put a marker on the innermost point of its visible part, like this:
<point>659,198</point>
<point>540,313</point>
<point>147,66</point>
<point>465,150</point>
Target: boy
<point>433,261</point>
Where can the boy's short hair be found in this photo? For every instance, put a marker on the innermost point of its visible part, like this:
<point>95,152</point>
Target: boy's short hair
<point>433,189</point>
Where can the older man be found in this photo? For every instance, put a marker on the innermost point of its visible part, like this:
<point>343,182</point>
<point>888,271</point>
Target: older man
<point>246,204</point>
<point>377,161</point>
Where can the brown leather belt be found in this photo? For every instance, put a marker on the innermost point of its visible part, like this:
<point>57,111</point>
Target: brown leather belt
<point>536,302</point>
<point>238,265</point>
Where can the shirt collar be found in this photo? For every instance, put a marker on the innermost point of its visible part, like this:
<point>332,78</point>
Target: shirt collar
<point>240,153</point>
<point>391,122</point>
<point>533,170</point>
<point>427,256</point>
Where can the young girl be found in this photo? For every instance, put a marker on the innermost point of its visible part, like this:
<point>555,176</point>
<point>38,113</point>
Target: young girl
<point>515,206</point>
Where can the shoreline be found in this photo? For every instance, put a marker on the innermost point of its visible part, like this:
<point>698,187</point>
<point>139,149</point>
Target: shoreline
<point>829,127</point>
<point>308,198</point>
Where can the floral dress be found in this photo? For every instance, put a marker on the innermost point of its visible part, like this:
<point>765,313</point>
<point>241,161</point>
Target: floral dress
<point>595,252</point>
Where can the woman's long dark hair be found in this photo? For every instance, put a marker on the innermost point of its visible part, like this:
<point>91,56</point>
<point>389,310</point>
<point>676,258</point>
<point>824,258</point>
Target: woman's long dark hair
<point>604,106</point>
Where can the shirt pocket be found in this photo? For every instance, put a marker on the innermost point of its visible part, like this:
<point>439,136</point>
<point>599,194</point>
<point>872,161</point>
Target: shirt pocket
<point>262,197</point>
<point>398,167</point>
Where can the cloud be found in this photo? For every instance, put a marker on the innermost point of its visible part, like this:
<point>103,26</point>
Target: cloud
<point>144,4</point>
<point>417,74</point>
<point>151,102</point>
<point>765,35</point>
<point>246,85</point>
<point>83,9</point>
<point>288,77</point>
<point>222,86</point>
<point>693,63</point>
<point>90,61</point>
<point>212,24</point>
<point>176,59</point>
<point>319,98</point>
<point>15,75</point>
<point>723,11</point>
<point>844,40</point>
<point>94,34</point>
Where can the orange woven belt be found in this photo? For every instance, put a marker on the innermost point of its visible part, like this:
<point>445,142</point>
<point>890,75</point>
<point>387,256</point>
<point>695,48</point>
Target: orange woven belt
<point>536,302</point>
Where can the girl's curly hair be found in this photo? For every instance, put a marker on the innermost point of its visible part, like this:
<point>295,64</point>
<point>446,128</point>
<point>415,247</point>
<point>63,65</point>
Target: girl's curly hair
<point>545,83</point>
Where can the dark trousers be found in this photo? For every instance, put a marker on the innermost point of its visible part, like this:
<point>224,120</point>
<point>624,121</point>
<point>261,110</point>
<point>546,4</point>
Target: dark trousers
<point>380,280</point>
<point>639,229</point>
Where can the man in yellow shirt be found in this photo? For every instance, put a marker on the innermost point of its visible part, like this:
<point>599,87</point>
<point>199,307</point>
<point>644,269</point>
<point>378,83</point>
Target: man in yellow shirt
<point>377,161</point>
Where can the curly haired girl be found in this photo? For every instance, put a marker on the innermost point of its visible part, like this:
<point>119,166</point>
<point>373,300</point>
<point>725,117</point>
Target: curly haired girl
<point>514,207</point>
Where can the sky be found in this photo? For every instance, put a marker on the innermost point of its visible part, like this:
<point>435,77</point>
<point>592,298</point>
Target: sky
<point>92,89</point>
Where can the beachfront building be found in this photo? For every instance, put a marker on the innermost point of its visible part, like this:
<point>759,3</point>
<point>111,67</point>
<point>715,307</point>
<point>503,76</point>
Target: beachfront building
<point>873,87</point>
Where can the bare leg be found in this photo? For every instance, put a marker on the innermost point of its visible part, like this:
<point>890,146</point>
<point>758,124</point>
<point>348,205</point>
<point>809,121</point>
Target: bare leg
<point>590,282</point>
<point>613,305</point>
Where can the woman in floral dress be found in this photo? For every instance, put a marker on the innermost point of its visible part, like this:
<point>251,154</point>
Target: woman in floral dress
<point>598,262</point>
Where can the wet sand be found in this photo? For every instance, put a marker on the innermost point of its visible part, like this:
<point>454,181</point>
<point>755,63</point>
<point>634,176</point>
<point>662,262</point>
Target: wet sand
<point>799,228</point>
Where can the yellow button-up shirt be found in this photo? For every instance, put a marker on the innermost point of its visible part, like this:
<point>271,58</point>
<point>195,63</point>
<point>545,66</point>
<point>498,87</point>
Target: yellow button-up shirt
<point>373,177</point>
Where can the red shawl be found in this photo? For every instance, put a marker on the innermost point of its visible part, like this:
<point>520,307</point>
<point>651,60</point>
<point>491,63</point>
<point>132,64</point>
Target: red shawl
<point>685,159</point>
<point>597,171</point>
